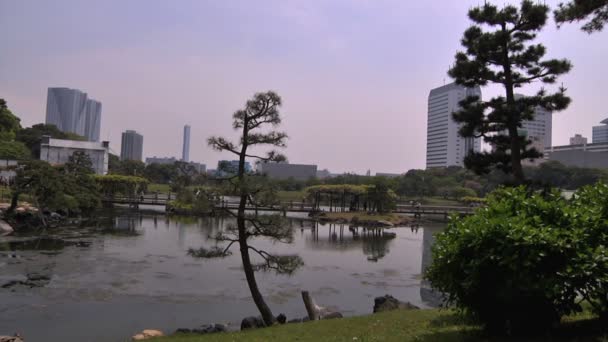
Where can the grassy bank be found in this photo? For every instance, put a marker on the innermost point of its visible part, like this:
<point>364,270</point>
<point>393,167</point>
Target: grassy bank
<point>414,325</point>
<point>295,196</point>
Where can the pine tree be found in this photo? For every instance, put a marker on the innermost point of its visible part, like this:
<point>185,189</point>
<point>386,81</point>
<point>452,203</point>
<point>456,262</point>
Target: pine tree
<point>577,10</point>
<point>499,50</point>
<point>254,190</point>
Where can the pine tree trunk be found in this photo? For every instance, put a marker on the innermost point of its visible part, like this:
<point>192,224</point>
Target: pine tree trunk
<point>518,172</point>
<point>516,168</point>
<point>258,299</point>
<point>14,202</point>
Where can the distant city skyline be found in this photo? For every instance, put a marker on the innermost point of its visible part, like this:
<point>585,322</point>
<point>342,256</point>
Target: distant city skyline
<point>360,70</point>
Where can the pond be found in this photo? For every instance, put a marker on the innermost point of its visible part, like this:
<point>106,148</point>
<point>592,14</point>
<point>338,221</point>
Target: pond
<point>131,272</point>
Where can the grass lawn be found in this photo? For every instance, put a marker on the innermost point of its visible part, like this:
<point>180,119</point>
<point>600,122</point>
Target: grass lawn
<point>161,188</point>
<point>296,196</point>
<point>413,325</point>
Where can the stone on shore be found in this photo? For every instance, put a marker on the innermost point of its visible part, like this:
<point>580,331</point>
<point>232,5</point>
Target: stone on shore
<point>147,334</point>
<point>5,228</point>
<point>204,329</point>
<point>282,319</point>
<point>14,338</point>
<point>332,315</point>
<point>384,223</point>
<point>388,303</point>
<point>252,323</point>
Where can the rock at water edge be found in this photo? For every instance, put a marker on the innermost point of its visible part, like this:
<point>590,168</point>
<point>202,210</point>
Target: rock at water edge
<point>252,323</point>
<point>388,303</point>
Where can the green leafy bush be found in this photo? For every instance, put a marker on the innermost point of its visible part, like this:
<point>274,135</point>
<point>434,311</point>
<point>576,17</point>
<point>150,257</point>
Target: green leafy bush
<point>589,213</point>
<point>512,265</point>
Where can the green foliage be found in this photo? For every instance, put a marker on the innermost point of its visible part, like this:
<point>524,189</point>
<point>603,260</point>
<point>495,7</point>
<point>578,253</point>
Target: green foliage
<point>79,182</point>
<point>421,184</point>
<point>13,150</point>
<point>9,123</point>
<point>578,10</point>
<point>9,126</point>
<point>382,199</point>
<point>70,188</point>
<point>472,200</point>
<point>43,183</point>
<point>555,174</point>
<point>499,49</point>
<point>456,192</point>
<point>31,136</point>
<point>200,200</point>
<point>589,214</point>
<point>127,168</point>
<point>129,186</point>
<point>260,113</point>
<point>160,173</point>
<point>520,263</point>
<point>113,164</point>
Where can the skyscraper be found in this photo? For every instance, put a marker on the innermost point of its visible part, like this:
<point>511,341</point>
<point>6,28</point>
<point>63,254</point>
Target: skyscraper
<point>92,122</point>
<point>444,146</point>
<point>186,145</point>
<point>72,111</point>
<point>131,146</point>
<point>600,133</point>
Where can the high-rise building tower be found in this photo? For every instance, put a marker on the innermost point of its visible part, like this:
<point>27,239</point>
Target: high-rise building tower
<point>131,146</point>
<point>186,145</point>
<point>600,133</point>
<point>72,111</point>
<point>92,122</point>
<point>444,146</point>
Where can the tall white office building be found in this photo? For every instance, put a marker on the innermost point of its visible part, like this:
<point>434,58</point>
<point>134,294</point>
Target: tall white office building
<point>71,110</point>
<point>186,145</point>
<point>444,146</point>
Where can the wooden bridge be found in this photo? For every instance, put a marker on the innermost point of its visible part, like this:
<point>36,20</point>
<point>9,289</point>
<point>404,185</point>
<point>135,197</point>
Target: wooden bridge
<point>284,207</point>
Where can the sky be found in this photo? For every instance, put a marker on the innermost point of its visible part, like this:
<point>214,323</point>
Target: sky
<point>354,75</point>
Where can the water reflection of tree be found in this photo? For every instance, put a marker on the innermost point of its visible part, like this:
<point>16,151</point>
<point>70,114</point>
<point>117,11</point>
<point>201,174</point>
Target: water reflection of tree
<point>374,242</point>
<point>428,295</point>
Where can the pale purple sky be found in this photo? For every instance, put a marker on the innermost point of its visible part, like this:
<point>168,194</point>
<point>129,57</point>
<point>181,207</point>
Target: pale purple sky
<point>354,75</point>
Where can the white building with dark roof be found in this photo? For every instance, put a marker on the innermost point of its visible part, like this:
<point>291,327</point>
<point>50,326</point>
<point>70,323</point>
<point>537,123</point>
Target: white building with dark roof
<point>59,151</point>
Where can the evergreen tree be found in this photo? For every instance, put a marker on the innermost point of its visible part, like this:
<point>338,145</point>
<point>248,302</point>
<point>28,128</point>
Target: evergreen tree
<point>499,50</point>
<point>260,113</point>
<point>577,10</point>
<point>9,123</point>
